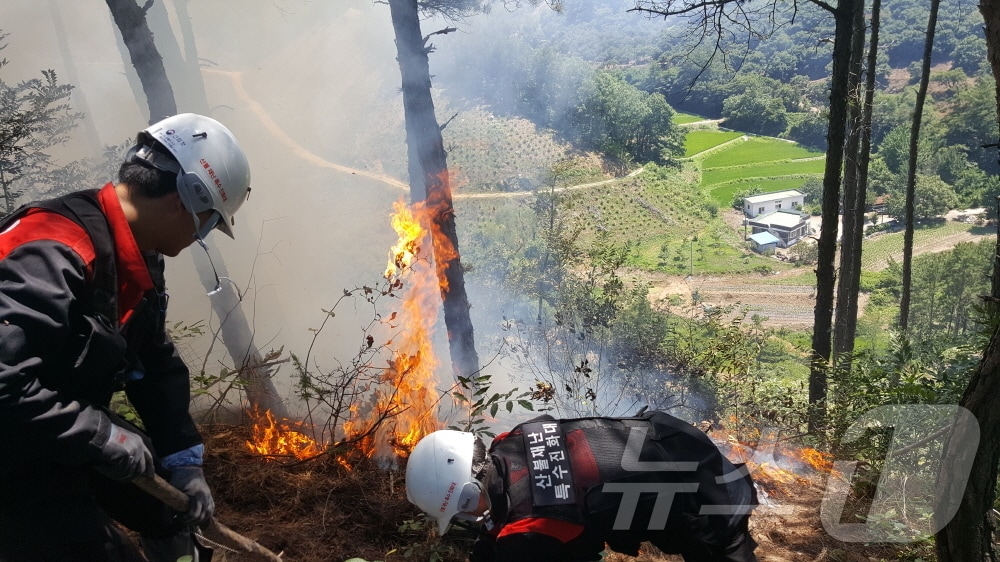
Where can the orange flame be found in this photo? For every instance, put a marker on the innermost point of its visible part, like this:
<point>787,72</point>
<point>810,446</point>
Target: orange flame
<point>408,392</point>
<point>411,372</point>
<point>270,437</point>
<point>407,397</point>
<point>775,466</point>
<point>819,460</point>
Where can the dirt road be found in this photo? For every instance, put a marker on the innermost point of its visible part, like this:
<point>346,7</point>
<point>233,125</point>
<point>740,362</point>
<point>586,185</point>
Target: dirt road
<point>781,305</point>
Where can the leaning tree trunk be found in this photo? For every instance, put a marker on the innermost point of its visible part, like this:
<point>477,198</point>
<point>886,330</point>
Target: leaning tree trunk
<point>968,537</point>
<point>429,180</point>
<point>131,22</point>
<point>911,168</point>
<point>236,332</point>
<point>827,246</point>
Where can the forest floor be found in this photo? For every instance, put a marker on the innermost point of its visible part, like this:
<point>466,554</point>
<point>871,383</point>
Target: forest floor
<point>330,510</point>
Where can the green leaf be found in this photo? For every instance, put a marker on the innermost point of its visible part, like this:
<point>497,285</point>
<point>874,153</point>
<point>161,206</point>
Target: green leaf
<point>526,405</point>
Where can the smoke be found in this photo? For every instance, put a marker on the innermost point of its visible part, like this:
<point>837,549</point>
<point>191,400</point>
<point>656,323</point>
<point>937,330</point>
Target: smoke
<point>311,90</point>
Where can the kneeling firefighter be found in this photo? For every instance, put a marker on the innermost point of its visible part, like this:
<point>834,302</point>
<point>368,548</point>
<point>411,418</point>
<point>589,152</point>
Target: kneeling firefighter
<point>566,489</point>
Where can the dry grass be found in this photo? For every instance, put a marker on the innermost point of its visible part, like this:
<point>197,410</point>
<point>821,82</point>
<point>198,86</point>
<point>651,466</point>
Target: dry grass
<point>313,511</point>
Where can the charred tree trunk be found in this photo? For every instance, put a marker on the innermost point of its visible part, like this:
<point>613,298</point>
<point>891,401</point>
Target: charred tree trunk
<point>847,281</point>
<point>429,180</point>
<point>131,22</point>
<point>844,18</point>
<point>969,534</point>
<point>236,332</point>
<point>911,168</point>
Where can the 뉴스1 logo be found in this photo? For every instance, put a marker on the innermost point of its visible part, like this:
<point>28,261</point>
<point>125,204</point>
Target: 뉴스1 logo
<point>932,486</point>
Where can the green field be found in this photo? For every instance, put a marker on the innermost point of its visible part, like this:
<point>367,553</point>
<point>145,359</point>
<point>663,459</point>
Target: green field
<point>769,163</point>
<point>684,118</point>
<point>757,150</point>
<point>699,141</point>
<point>722,193</point>
<point>879,249</point>
<point>713,176</point>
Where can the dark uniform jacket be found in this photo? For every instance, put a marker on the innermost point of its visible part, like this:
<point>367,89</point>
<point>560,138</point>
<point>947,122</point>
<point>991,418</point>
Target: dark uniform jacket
<point>563,489</point>
<point>61,360</point>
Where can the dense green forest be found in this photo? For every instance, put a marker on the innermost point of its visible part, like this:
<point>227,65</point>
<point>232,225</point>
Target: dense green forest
<point>598,77</point>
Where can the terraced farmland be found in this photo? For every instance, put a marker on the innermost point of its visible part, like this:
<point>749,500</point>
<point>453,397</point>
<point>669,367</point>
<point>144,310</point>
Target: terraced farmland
<point>879,250</point>
<point>699,141</point>
<point>731,162</point>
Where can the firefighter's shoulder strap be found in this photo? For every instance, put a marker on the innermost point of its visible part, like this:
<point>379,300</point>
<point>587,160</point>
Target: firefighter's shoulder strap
<point>83,208</point>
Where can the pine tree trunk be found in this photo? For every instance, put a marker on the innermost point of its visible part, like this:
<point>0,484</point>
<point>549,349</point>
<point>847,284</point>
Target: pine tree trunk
<point>79,98</point>
<point>827,246</point>
<point>854,233</point>
<point>864,158</point>
<point>847,281</point>
<point>131,22</point>
<point>429,180</point>
<point>911,168</point>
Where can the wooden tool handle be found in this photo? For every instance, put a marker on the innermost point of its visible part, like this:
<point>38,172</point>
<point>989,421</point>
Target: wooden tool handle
<point>215,531</point>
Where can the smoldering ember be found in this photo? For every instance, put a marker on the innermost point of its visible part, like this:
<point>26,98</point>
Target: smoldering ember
<point>621,280</point>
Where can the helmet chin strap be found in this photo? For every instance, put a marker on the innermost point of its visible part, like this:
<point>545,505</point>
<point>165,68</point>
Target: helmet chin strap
<point>218,280</point>
<point>200,237</point>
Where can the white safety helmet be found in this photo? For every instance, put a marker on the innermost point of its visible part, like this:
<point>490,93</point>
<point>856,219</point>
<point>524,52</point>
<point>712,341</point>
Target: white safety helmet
<point>213,173</point>
<point>440,480</point>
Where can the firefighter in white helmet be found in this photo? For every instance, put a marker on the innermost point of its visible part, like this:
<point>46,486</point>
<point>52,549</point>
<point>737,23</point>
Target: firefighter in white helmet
<point>83,304</point>
<point>212,171</point>
<point>568,489</point>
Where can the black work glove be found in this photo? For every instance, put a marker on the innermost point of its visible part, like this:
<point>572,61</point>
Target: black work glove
<point>124,456</point>
<point>191,481</point>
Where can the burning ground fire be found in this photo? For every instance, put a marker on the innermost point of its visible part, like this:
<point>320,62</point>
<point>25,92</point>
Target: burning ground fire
<point>282,438</point>
<point>775,466</point>
<point>408,386</point>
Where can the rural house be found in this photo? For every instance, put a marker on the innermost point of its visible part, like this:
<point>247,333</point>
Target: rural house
<point>787,225</point>
<point>774,201</point>
<point>764,242</point>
